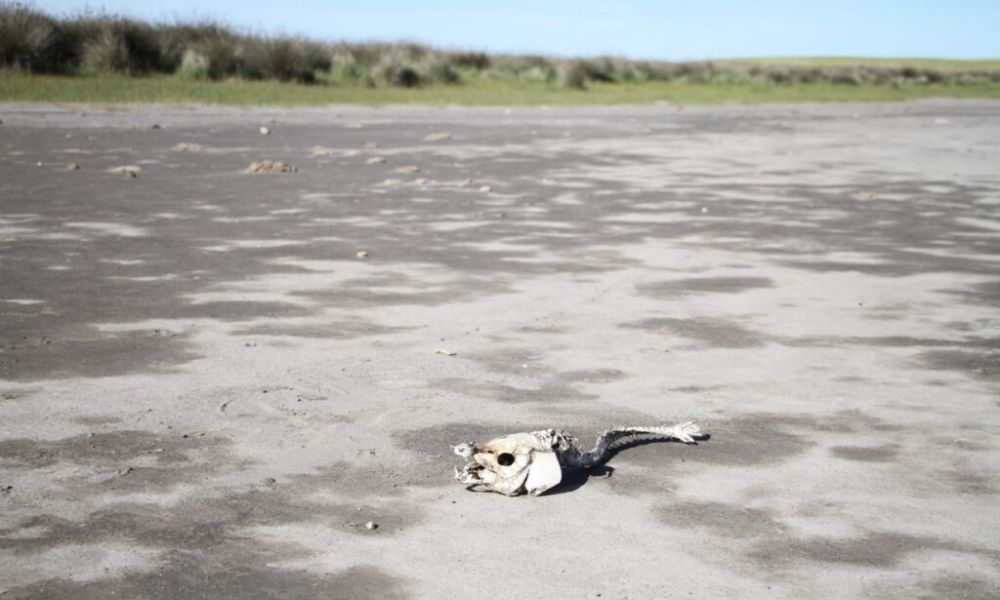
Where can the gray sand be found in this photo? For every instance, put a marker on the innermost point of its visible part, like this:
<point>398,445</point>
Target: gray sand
<point>206,392</point>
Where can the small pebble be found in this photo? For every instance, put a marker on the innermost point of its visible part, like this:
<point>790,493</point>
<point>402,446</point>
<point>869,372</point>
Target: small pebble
<point>371,525</point>
<point>264,130</point>
<point>361,254</point>
<point>73,167</point>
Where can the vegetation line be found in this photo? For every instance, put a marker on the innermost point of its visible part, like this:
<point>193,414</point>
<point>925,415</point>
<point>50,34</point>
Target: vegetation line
<point>108,58</point>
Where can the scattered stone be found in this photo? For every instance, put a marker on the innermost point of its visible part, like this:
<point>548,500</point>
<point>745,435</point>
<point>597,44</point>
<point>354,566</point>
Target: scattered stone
<point>353,125</point>
<point>270,166</point>
<point>125,471</point>
<point>864,196</point>
<point>408,169</point>
<point>375,160</point>
<point>320,151</point>
<point>38,164</point>
<point>270,481</point>
<point>371,145</point>
<point>131,171</point>
<point>361,254</point>
<point>349,153</point>
<point>156,126</point>
<point>371,525</point>
<point>485,188</point>
<point>73,167</point>
<point>187,147</point>
<point>437,136</point>
<point>704,209</point>
<point>444,352</point>
<point>420,181</point>
<point>264,130</point>
<point>6,489</point>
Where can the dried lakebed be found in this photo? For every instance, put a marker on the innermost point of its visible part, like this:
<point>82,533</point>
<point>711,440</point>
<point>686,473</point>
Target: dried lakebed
<point>227,381</point>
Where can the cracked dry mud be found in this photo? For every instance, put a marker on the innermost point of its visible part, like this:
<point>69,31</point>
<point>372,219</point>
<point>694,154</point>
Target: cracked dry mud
<point>205,393</point>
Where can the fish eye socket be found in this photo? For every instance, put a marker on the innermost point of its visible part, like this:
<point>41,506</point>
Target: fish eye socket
<point>506,459</point>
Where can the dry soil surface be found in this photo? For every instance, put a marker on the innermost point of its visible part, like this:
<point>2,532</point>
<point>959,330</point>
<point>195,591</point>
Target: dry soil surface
<point>211,379</point>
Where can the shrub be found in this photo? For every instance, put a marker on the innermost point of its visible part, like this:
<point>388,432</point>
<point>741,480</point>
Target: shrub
<point>121,46</point>
<point>194,66</point>
<point>573,74</point>
<point>442,72</point>
<point>479,61</point>
<point>29,39</point>
<point>283,59</point>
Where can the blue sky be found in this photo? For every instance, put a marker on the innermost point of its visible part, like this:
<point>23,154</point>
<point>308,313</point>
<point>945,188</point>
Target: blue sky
<point>635,28</point>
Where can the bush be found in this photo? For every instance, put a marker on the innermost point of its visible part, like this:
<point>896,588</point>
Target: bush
<point>479,61</point>
<point>283,59</point>
<point>29,40</point>
<point>442,72</point>
<point>573,74</point>
<point>194,66</point>
<point>122,46</point>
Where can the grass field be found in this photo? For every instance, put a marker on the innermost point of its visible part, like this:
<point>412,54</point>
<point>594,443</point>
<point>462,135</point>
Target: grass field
<point>111,89</point>
<point>939,64</point>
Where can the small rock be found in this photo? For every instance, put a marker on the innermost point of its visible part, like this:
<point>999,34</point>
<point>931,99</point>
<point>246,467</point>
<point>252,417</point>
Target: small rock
<point>187,147</point>
<point>371,145</point>
<point>131,171</point>
<point>350,153</point>
<point>264,130</point>
<point>353,125</point>
<point>485,188</point>
<point>156,126</point>
<point>38,164</point>
<point>73,167</point>
<point>258,167</point>
<point>361,254</point>
<point>704,209</point>
<point>320,151</point>
<point>408,169</point>
<point>270,481</point>
<point>125,471</point>
<point>371,525</point>
<point>420,181</point>
<point>864,196</point>
<point>437,136</point>
<point>375,160</point>
<point>446,352</point>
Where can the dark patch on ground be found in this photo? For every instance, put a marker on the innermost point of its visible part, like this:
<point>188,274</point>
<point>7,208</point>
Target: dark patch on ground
<point>718,333</point>
<point>341,330</point>
<point>703,285</point>
<point>695,389</point>
<point>966,587</point>
<point>967,481</point>
<point>984,365</point>
<point>108,448</point>
<point>728,520</point>
<point>549,392</point>
<point>866,454</point>
<point>17,394</point>
<point>986,293</point>
<point>596,375</point>
<point>95,355</point>
<point>876,549</point>
<point>240,575</point>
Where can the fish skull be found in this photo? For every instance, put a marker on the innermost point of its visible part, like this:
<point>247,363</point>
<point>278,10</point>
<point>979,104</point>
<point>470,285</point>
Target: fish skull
<point>511,465</point>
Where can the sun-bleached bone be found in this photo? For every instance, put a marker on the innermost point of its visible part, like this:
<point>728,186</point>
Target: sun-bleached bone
<point>533,462</point>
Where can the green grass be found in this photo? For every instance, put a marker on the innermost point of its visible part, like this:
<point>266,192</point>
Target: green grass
<point>940,64</point>
<point>21,87</point>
